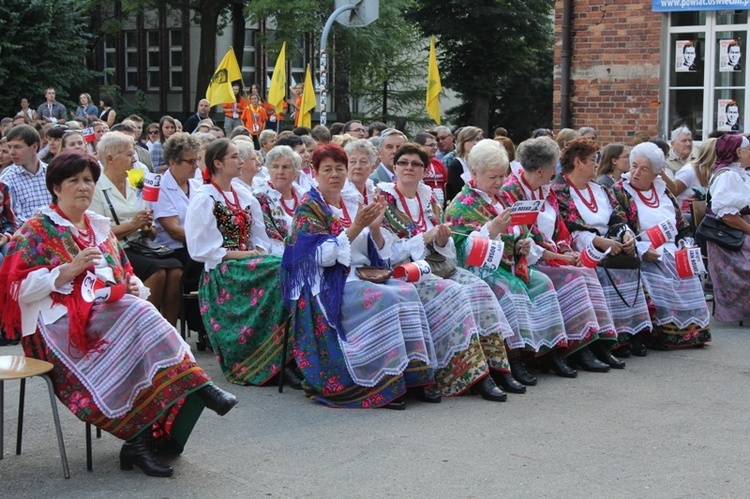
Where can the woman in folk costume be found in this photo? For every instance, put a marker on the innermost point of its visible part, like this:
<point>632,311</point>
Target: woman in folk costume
<point>239,292</point>
<point>593,216</point>
<point>466,321</point>
<point>279,195</point>
<point>360,344</point>
<point>68,288</point>
<point>679,313</point>
<point>584,308</point>
<point>730,201</point>
<point>526,295</point>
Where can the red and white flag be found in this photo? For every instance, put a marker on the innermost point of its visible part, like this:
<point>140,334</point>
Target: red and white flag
<point>590,256</point>
<point>525,212</point>
<point>485,253</point>
<point>689,262</point>
<point>661,232</point>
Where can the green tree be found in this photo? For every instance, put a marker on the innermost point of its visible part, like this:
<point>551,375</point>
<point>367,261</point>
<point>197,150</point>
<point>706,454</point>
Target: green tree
<point>497,55</point>
<point>42,43</point>
<point>382,64</point>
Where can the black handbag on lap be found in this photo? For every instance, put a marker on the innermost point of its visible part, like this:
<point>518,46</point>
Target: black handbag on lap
<point>142,245</point>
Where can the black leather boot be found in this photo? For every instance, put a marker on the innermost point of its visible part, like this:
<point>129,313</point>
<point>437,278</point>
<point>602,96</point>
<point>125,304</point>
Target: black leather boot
<point>604,354</point>
<point>488,390</point>
<point>507,382</point>
<point>518,368</point>
<point>138,451</point>
<point>586,361</point>
<point>553,362</point>
<point>216,399</point>
<point>637,346</point>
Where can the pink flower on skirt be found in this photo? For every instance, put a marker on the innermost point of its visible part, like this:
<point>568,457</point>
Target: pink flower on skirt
<point>84,402</point>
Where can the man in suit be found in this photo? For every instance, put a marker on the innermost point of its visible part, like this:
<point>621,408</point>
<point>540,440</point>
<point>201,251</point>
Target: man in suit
<point>688,57</point>
<point>391,139</point>
<point>734,54</point>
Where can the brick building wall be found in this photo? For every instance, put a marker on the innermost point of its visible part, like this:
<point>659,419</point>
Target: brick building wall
<point>615,67</point>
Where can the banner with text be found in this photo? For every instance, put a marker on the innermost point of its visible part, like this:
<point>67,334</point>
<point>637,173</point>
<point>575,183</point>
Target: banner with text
<point>692,5</point>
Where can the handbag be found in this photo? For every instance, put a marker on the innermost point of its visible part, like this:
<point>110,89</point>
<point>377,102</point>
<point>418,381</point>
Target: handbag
<point>715,230</point>
<point>143,245</point>
<point>441,266</point>
<point>377,275</point>
<point>621,260</point>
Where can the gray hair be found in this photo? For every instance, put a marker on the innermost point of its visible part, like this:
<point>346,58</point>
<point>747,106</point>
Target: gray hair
<point>375,141</point>
<point>179,144</point>
<point>650,152</point>
<point>442,128</point>
<point>486,154</point>
<point>245,147</point>
<point>681,130</point>
<point>536,154</point>
<point>284,152</point>
<point>362,145</point>
<point>204,138</point>
<point>265,136</point>
<point>587,129</point>
<point>112,143</point>
<point>388,132</point>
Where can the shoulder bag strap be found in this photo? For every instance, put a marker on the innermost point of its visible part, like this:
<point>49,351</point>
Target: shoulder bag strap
<point>111,207</point>
<point>637,289</point>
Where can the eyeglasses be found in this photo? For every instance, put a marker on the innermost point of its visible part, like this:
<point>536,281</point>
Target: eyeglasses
<point>431,145</point>
<point>153,132</point>
<point>413,164</point>
<point>357,130</point>
<point>192,162</point>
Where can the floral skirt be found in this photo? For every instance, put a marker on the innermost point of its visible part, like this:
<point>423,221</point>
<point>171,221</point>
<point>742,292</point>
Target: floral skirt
<point>629,318</point>
<point>245,318</point>
<point>582,303</point>
<point>729,274</point>
<point>385,346</point>
<point>464,317</point>
<point>125,373</point>
<point>680,314</point>
<point>531,309</point>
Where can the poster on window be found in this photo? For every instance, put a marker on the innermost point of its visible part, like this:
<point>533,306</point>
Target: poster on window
<point>728,119</point>
<point>730,56</point>
<point>685,54</point>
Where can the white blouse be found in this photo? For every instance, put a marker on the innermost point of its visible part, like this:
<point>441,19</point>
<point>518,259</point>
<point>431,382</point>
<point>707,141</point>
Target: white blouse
<point>204,240</point>
<point>649,217</point>
<point>730,191</point>
<point>173,202</point>
<point>415,247</point>
<point>598,220</point>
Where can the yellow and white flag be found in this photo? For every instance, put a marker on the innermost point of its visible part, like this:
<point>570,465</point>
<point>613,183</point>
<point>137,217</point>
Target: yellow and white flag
<point>277,89</point>
<point>308,101</point>
<point>434,87</point>
<point>220,89</point>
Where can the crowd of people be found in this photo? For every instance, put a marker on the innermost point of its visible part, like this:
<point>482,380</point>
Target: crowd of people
<point>352,249</point>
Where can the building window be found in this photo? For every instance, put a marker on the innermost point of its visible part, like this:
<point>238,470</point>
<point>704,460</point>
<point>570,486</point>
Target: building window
<point>247,64</point>
<point>175,59</point>
<point>110,60</point>
<point>153,60</point>
<point>707,73</point>
<point>131,61</point>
